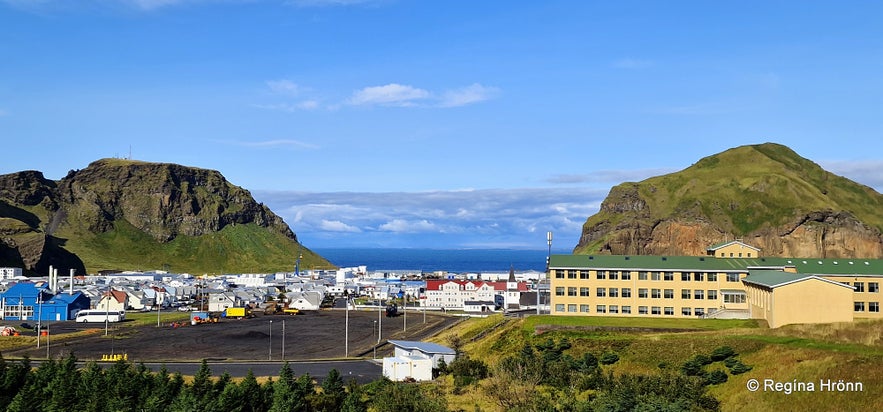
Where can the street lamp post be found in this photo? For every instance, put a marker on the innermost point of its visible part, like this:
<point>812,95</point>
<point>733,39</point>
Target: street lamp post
<point>158,307</point>
<point>270,350</point>
<point>346,334</point>
<point>548,261</point>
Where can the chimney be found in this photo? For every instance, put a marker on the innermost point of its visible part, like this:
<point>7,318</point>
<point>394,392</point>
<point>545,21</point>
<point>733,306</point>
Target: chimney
<point>51,281</point>
<point>72,281</point>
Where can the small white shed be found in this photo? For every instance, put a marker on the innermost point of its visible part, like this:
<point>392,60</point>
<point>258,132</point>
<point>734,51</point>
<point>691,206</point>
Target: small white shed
<point>400,368</point>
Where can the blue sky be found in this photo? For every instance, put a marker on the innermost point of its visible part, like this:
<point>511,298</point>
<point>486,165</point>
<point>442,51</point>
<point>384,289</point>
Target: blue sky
<point>445,124</point>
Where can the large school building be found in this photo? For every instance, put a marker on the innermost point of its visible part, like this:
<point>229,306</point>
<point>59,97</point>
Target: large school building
<point>731,281</point>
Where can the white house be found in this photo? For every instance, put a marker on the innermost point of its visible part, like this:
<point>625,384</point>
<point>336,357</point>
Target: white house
<point>415,360</point>
<point>218,302</point>
<point>113,300</point>
<point>308,300</point>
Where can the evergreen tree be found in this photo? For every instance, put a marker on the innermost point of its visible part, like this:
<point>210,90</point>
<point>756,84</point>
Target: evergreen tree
<point>284,392</point>
<point>354,401</point>
<point>31,396</point>
<point>13,379</point>
<point>92,390</point>
<point>62,389</point>
<point>253,394</point>
<point>331,398</point>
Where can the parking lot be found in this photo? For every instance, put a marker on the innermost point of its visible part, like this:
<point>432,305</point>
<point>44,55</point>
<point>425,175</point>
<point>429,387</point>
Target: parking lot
<point>309,335</point>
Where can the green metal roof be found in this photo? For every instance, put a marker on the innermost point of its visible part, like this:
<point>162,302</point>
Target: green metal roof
<point>709,263</point>
<point>776,278</point>
<point>687,263</point>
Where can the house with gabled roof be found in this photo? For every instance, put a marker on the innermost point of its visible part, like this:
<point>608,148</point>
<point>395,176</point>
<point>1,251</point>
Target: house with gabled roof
<point>415,360</point>
<point>113,301</point>
<point>733,249</point>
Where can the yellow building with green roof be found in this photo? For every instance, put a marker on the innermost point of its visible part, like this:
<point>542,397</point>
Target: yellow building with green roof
<point>779,290</point>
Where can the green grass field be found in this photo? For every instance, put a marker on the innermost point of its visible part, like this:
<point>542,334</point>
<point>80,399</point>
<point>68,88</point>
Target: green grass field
<point>852,352</point>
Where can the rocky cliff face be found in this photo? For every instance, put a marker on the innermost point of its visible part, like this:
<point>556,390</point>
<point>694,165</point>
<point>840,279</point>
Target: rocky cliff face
<point>175,215</point>
<point>765,194</point>
<point>162,200</point>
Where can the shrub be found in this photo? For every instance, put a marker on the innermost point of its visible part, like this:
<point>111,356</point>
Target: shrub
<point>739,368</point>
<point>715,377</point>
<point>609,358</point>
<point>730,362</point>
<point>692,367</point>
<point>702,359</point>
<point>721,353</point>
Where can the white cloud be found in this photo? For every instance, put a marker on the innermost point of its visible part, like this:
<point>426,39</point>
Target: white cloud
<point>406,226</point>
<point>392,94</point>
<point>467,95</point>
<point>284,86</point>
<point>290,107</point>
<point>399,95</point>
<point>417,219</point>
<point>337,226</point>
<point>866,172</point>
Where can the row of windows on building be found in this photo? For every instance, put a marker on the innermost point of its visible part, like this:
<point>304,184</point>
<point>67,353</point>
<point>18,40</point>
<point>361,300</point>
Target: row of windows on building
<point>872,307</point>
<point>873,287</point>
<point>711,294</point>
<point>627,310</point>
<point>643,275</point>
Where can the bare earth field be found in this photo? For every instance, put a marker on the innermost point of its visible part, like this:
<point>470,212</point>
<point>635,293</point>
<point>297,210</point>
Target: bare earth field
<point>307,336</point>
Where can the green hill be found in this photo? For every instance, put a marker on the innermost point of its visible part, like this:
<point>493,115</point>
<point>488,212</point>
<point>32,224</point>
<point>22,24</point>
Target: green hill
<point>123,214</point>
<point>766,194</point>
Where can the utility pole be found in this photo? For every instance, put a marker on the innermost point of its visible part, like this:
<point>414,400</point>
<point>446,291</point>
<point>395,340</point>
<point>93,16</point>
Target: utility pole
<point>548,261</point>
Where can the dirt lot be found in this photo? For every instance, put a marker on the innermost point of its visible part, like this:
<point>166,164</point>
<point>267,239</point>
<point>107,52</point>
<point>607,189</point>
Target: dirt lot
<point>307,336</point>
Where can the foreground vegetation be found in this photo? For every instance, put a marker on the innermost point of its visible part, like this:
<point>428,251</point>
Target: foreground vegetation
<point>539,363</point>
<point>671,353</point>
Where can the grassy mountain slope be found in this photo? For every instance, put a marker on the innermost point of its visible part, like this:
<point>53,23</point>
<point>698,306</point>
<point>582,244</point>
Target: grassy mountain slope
<point>745,192</point>
<point>124,214</point>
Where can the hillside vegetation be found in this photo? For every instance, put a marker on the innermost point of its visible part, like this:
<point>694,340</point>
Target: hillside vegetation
<point>852,352</point>
<point>125,214</point>
<point>766,194</point>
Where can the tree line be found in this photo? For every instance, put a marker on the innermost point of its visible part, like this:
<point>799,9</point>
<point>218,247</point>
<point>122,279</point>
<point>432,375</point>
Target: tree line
<point>542,376</point>
<point>60,385</point>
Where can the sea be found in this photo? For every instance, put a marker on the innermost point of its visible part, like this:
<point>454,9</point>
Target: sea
<point>431,260</point>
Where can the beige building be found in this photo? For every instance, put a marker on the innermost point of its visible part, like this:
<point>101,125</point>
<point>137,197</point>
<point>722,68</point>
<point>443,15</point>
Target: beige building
<point>717,286</point>
<point>733,249</point>
<point>783,298</point>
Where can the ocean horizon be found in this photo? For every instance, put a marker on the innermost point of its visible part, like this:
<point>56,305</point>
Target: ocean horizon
<point>431,260</point>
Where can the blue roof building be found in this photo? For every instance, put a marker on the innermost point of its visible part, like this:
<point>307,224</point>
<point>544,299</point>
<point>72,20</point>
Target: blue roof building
<point>33,301</point>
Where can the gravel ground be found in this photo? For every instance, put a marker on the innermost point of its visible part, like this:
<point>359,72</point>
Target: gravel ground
<point>307,336</point>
